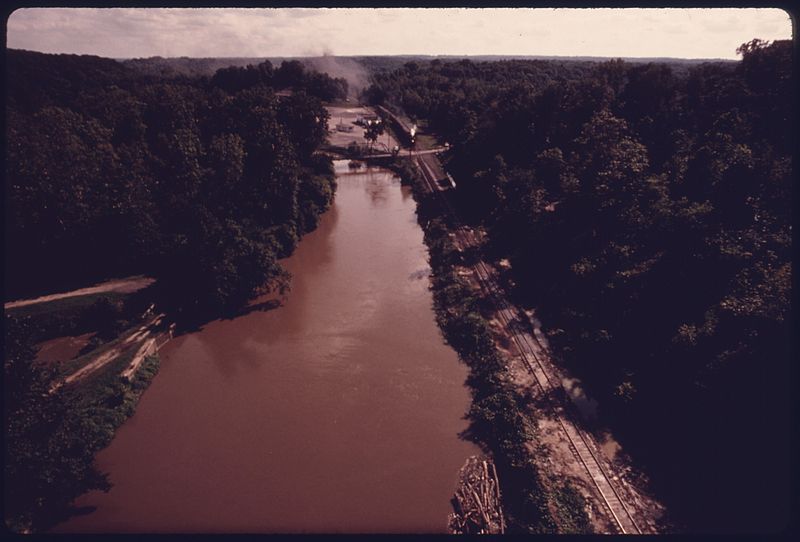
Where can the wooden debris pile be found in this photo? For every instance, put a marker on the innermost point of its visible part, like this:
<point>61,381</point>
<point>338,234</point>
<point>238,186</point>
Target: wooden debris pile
<point>476,502</point>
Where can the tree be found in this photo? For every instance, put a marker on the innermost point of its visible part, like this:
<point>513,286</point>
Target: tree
<point>49,458</point>
<point>289,74</point>
<point>373,130</point>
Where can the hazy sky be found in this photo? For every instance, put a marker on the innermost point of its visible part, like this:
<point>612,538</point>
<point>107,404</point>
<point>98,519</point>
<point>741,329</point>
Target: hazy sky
<point>143,32</point>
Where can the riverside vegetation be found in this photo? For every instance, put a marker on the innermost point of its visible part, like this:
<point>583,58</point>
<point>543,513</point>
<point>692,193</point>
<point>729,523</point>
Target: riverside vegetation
<point>644,208</point>
<point>51,436</point>
<point>499,420</point>
<point>646,213</point>
<point>200,182</point>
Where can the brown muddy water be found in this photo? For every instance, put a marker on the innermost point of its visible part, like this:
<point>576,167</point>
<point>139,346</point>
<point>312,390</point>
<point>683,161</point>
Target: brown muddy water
<point>337,412</point>
<point>61,349</point>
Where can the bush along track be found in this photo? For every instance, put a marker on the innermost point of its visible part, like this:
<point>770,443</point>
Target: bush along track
<point>500,421</point>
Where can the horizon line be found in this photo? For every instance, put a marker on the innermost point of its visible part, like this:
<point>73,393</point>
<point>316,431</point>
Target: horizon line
<point>499,55</point>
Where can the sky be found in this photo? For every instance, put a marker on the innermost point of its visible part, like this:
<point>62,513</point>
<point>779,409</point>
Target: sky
<point>257,32</point>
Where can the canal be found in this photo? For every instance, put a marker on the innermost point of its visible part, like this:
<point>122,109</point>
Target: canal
<point>338,411</point>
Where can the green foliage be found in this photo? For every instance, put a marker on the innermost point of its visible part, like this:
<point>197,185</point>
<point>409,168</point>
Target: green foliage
<point>51,436</point>
<point>75,315</point>
<point>646,213</point>
<point>372,132</point>
<point>499,418</point>
<point>569,507</point>
<point>201,184</point>
<point>47,460</point>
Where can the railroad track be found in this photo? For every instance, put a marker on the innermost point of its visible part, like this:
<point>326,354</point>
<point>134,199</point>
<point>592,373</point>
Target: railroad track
<point>533,354</point>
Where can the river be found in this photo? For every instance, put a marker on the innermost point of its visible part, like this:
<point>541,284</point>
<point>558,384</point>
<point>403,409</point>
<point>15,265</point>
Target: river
<point>339,411</point>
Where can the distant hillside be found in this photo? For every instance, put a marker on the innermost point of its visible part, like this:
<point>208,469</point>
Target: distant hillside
<point>196,67</point>
<point>186,66</point>
<point>632,59</point>
<point>42,79</point>
<point>193,67</point>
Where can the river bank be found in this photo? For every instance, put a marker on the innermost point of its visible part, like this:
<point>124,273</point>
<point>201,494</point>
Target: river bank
<point>562,444</point>
<point>307,416</point>
<point>569,467</point>
<point>533,501</point>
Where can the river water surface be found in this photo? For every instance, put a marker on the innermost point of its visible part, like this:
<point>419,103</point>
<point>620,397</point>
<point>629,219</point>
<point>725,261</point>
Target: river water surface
<point>338,411</point>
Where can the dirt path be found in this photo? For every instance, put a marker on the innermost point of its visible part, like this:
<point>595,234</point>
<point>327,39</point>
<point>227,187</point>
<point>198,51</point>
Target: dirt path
<point>573,453</point>
<point>138,336</point>
<point>126,285</point>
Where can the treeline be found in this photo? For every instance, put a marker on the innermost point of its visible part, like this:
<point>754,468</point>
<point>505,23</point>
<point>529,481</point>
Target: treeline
<point>451,96</point>
<point>290,74</point>
<point>647,217</point>
<point>194,67</point>
<point>202,183</point>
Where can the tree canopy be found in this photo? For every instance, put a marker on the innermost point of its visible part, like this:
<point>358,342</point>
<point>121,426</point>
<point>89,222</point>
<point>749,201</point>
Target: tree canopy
<point>646,213</point>
<point>202,183</point>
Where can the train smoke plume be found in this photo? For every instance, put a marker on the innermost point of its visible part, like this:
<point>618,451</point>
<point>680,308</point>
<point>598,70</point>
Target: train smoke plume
<point>346,68</point>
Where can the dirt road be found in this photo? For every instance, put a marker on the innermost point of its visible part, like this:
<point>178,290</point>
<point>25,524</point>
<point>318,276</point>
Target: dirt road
<point>137,337</point>
<point>126,285</point>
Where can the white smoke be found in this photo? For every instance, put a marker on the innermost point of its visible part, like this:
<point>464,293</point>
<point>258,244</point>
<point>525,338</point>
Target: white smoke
<point>346,68</point>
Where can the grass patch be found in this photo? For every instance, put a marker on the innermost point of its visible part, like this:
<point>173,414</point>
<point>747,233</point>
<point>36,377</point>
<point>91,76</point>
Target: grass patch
<point>106,399</point>
<point>67,306</point>
<point>68,316</point>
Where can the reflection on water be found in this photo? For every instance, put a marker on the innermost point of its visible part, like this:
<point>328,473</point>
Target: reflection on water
<point>337,412</point>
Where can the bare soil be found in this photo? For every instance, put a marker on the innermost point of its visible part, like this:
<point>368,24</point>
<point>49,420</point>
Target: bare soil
<point>348,115</point>
<point>61,348</point>
<point>125,286</point>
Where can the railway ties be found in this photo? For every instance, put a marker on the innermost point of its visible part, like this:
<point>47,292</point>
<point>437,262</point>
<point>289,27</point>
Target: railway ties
<point>535,358</point>
<point>578,441</point>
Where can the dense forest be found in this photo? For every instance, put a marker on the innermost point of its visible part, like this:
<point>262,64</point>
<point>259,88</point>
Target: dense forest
<point>199,182</point>
<point>202,183</point>
<point>645,209</point>
<point>646,213</point>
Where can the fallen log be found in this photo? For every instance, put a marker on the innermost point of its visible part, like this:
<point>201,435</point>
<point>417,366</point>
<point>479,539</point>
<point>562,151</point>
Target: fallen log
<point>476,501</point>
